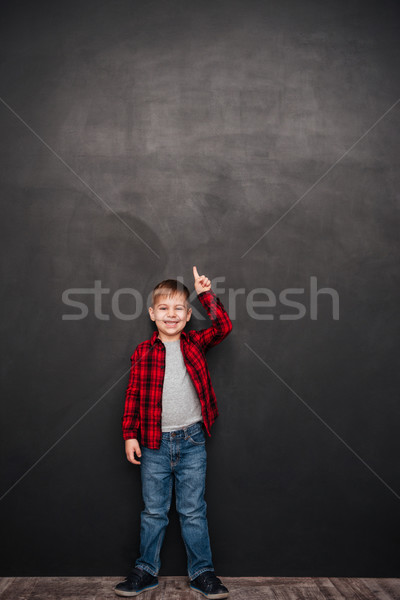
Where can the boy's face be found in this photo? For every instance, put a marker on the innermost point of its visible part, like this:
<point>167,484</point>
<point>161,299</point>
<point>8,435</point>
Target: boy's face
<point>170,315</point>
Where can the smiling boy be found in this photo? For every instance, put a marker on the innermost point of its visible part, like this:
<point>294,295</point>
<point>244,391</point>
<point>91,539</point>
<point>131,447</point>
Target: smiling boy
<point>170,404</point>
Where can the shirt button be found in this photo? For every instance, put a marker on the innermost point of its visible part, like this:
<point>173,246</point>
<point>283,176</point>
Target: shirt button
<point>160,385</point>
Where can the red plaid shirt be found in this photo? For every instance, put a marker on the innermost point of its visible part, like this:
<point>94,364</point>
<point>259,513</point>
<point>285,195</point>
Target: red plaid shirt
<point>142,414</point>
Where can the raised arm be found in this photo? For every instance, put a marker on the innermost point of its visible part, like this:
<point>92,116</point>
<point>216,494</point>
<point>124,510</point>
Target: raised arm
<point>221,323</point>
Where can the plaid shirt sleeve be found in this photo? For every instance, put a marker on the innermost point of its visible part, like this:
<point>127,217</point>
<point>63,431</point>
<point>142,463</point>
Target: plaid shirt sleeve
<point>131,416</point>
<point>221,323</point>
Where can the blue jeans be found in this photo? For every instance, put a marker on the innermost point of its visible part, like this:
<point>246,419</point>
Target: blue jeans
<point>181,458</point>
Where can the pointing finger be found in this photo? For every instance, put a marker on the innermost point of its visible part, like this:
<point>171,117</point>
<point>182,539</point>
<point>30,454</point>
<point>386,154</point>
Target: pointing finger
<point>195,273</point>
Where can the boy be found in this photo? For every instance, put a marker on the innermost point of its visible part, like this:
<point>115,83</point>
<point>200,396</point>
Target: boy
<point>169,400</point>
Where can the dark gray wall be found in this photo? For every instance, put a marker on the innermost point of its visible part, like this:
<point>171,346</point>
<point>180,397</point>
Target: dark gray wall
<point>139,139</point>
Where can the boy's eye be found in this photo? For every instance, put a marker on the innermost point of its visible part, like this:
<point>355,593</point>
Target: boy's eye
<point>178,307</point>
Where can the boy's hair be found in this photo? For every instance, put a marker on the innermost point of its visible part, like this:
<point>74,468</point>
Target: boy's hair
<point>170,288</point>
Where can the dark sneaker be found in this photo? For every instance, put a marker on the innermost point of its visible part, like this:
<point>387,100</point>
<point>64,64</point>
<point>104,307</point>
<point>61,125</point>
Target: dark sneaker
<point>138,581</point>
<point>209,585</point>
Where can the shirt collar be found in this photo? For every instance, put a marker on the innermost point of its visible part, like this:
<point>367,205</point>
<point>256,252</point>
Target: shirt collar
<point>155,339</point>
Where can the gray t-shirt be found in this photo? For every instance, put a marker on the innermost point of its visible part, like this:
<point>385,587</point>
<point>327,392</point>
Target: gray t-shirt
<point>180,403</point>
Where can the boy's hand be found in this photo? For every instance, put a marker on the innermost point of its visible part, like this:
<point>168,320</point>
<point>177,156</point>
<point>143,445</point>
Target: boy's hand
<point>201,282</point>
<point>132,446</point>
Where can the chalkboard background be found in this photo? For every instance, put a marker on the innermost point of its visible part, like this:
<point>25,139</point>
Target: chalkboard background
<point>258,141</point>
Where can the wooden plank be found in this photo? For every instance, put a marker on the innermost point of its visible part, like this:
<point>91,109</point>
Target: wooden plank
<point>390,586</point>
<point>53,588</point>
<point>5,582</point>
<point>304,590</point>
<point>352,587</point>
<point>327,589</point>
<point>177,588</point>
<point>20,588</point>
<point>377,589</point>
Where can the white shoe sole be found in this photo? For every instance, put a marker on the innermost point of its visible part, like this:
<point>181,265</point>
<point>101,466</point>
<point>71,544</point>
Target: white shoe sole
<point>131,594</point>
<point>210,596</point>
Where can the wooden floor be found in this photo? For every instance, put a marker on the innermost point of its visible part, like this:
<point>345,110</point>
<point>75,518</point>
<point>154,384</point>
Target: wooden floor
<point>176,588</point>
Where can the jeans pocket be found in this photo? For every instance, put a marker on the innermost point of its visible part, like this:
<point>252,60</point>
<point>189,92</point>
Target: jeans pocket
<point>197,438</point>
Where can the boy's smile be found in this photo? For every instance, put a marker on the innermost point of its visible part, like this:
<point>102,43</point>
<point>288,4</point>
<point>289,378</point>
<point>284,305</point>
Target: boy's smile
<point>170,315</point>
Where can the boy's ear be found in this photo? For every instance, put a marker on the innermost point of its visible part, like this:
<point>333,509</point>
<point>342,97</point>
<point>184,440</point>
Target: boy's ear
<point>189,314</point>
<point>151,313</point>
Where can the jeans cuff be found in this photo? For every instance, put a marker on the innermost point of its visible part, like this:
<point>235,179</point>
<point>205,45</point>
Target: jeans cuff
<point>139,566</point>
<point>200,572</point>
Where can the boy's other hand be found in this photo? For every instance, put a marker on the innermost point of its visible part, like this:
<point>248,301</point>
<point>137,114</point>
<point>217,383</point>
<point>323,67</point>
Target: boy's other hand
<point>132,446</point>
<point>201,282</point>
